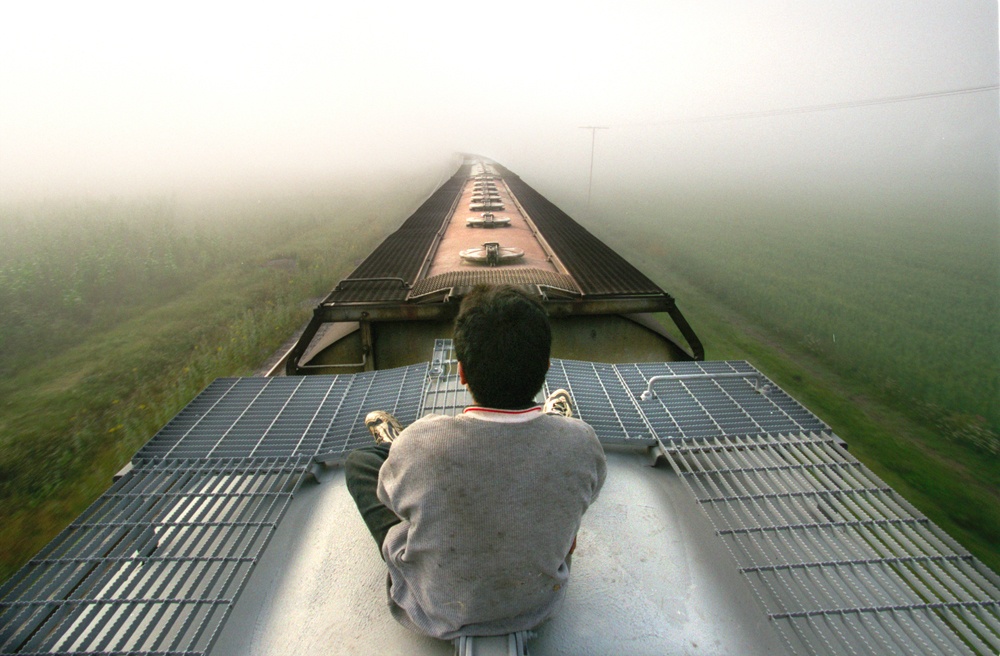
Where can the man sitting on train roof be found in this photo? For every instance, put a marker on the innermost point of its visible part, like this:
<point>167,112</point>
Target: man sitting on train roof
<point>476,515</point>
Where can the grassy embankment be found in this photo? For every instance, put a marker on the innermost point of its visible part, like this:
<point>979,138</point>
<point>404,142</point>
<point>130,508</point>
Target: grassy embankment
<point>887,329</point>
<point>116,313</point>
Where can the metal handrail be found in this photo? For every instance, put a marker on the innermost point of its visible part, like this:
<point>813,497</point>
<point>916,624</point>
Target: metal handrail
<point>756,375</point>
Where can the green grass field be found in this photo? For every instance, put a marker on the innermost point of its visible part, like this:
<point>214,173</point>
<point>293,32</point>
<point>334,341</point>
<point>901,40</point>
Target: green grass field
<point>893,297</point>
<point>118,312</point>
<point>885,324</point>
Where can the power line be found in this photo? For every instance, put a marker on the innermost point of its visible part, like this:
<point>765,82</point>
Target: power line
<point>806,109</point>
<point>593,140</point>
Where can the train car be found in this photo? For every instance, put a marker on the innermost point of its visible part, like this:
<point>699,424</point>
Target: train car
<point>733,519</point>
<point>407,291</point>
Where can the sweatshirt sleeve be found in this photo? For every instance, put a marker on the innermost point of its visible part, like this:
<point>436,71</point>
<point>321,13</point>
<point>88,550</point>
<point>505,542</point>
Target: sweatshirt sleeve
<point>402,477</point>
<point>601,465</point>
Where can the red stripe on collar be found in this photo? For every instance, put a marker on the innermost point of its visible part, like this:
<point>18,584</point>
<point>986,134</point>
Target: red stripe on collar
<point>479,408</point>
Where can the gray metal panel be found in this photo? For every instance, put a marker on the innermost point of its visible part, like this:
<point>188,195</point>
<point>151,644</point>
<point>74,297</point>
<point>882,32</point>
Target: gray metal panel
<point>248,417</point>
<point>444,394</point>
<point>715,407</point>
<point>609,398</point>
<point>494,276</point>
<point>285,416</point>
<point>154,565</point>
<point>397,391</point>
<point>841,563</point>
<point>600,398</point>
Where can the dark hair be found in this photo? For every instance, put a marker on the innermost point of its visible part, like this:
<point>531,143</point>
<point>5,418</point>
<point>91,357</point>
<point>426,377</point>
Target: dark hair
<point>503,340</point>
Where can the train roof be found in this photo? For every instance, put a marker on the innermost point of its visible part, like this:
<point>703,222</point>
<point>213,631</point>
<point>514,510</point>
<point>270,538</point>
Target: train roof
<point>573,263</point>
<point>421,271</point>
<point>232,531</point>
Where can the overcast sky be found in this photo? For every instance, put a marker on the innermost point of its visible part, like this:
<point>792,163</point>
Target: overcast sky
<point>112,97</point>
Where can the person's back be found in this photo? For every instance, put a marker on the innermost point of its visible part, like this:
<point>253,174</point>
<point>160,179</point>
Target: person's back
<point>477,515</point>
<point>490,510</point>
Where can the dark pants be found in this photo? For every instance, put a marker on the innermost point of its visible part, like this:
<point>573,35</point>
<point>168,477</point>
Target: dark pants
<point>361,470</point>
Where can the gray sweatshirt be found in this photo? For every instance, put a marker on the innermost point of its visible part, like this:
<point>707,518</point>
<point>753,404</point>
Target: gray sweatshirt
<point>490,503</point>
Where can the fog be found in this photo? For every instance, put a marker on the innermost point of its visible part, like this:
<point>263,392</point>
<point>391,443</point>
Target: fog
<point>119,97</point>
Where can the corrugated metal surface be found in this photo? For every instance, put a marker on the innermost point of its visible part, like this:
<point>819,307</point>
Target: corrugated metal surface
<point>495,276</point>
<point>388,274</point>
<point>402,253</point>
<point>598,270</point>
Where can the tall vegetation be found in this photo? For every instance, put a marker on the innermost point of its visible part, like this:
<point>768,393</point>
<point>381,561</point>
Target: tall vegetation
<point>117,312</point>
<point>896,309</point>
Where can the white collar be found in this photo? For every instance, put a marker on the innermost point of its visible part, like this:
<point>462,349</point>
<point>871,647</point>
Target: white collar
<point>503,416</point>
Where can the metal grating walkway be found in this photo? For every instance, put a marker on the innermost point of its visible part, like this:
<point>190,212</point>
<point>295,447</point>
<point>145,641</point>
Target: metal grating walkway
<point>154,565</point>
<point>714,401</point>
<point>285,416</point>
<point>841,564</point>
<point>443,393</point>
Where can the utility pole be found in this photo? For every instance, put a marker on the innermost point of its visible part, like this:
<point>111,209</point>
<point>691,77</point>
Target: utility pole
<point>593,140</point>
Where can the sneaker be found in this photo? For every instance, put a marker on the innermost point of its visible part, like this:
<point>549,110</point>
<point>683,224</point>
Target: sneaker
<point>383,426</point>
<point>558,403</point>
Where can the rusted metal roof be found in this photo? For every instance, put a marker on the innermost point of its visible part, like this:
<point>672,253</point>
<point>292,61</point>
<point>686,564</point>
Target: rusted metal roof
<point>417,273</point>
<point>387,274</point>
<point>533,278</point>
<point>598,270</point>
<point>392,273</point>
